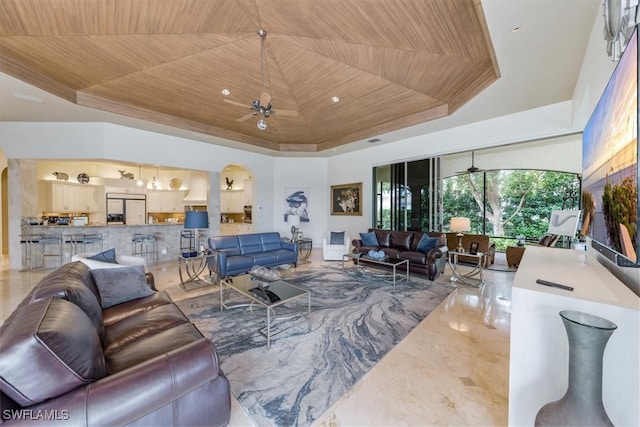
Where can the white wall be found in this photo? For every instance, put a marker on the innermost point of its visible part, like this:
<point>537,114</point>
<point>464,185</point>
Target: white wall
<point>302,173</point>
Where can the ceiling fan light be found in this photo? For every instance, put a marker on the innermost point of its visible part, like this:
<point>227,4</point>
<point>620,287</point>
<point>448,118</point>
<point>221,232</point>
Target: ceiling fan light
<point>262,124</point>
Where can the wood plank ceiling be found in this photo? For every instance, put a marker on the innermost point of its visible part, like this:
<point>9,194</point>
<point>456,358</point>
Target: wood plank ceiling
<point>392,63</point>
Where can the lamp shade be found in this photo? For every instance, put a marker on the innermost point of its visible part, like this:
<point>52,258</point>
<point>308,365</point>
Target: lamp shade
<point>460,224</point>
<point>293,220</point>
<point>196,220</point>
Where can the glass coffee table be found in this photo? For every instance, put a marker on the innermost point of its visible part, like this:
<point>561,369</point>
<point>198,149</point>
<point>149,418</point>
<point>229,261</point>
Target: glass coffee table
<point>392,263</point>
<point>267,295</point>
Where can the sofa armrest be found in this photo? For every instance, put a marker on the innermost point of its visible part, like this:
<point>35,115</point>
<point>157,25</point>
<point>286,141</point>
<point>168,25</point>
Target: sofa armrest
<point>217,263</point>
<point>127,396</point>
<point>292,246</point>
<point>436,253</point>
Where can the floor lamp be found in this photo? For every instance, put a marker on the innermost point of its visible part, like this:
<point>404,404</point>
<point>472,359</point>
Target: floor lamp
<point>458,225</point>
<point>196,221</point>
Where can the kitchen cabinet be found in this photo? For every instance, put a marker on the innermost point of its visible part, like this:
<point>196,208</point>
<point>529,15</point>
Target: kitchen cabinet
<point>232,201</point>
<point>68,197</point>
<point>165,201</point>
<point>231,229</point>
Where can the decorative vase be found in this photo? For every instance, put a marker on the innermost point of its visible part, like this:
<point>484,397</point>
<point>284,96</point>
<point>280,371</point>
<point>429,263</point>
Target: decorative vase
<point>582,403</point>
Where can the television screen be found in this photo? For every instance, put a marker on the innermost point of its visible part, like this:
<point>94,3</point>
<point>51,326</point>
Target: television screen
<point>610,164</point>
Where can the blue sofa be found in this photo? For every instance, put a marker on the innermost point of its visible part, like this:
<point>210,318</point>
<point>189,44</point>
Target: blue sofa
<point>234,255</point>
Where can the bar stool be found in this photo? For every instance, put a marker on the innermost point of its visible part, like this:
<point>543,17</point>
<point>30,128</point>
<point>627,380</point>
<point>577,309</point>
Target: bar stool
<point>145,245</point>
<point>47,245</point>
<point>78,242</point>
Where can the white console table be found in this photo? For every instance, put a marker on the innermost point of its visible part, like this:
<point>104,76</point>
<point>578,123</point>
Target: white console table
<point>539,348</point>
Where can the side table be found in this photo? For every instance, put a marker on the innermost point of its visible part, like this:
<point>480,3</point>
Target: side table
<point>475,270</point>
<point>190,270</point>
<point>305,244</point>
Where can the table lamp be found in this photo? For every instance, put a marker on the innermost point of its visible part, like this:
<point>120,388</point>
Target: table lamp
<point>196,221</point>
<point>460,224</point>
<point>294,222</point>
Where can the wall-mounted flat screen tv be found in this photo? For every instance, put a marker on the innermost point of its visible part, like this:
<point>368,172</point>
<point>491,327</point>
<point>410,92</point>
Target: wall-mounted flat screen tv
<point>610,165</point>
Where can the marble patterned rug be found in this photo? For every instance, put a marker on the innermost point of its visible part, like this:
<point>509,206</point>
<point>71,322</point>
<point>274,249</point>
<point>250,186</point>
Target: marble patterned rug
<point>355,319</point>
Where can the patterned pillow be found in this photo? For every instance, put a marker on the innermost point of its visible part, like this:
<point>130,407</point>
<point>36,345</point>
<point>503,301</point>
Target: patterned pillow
<point>369,239</point>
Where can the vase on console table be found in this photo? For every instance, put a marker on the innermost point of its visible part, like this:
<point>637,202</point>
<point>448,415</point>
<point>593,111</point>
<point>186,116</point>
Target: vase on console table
<point>582,403</point>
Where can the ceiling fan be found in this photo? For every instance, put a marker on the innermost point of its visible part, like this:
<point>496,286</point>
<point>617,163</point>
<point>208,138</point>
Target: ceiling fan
<point>472,168</point>
<point>261,106</point>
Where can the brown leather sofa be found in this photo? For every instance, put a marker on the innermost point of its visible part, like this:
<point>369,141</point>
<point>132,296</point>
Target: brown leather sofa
<point>484,245</point>
<point>403,245</point>
<point>66,360</point>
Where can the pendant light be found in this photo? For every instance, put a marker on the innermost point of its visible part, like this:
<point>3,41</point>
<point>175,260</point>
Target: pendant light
<point>139,182</point>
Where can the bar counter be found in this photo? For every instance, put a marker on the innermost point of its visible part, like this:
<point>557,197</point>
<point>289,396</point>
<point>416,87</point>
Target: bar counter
<point>118,236</point>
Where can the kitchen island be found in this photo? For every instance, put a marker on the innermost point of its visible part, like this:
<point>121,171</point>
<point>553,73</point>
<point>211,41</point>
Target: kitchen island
<point>119,236</point>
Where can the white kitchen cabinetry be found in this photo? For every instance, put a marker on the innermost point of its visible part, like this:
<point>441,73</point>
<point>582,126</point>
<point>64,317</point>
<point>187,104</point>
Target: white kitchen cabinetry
<point>67,197</point>
<point>165,201</point>
<point>231,229</point>
<point>232,201</point>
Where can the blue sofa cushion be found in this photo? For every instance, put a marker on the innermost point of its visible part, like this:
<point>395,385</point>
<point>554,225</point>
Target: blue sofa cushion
<point>250,244</point>
<point>226,244</point>
<point>264,258</point>
<point>237,264</point>
<point>271,241</point>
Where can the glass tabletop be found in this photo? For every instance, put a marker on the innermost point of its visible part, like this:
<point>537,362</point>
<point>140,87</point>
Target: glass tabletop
<point>250,286</point>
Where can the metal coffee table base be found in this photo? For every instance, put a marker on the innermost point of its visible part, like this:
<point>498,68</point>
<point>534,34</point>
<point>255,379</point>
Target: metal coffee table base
<point>287,291</point>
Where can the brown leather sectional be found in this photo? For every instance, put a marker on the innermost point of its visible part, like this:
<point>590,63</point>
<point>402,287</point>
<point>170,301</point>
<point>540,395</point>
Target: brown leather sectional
<point>63,359</point>
<point>403,245</point>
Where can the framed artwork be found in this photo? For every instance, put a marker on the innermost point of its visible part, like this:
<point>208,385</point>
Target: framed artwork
<point>296,202</point>
<point>346,199</point>
<point>473,250</point>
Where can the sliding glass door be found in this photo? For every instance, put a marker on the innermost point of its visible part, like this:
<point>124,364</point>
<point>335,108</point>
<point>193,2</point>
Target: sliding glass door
<point>407,196</point>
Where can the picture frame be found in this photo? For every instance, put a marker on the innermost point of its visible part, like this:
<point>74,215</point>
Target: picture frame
<point>346,199</point>
<point>473,250</point>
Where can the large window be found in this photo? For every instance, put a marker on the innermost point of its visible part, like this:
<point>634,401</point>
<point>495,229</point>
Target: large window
<point>509,203</point>
<point>407,196</point>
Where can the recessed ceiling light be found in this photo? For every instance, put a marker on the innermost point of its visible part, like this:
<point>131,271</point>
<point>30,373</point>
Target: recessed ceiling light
<point>226,92</point>
<point>335,99</point>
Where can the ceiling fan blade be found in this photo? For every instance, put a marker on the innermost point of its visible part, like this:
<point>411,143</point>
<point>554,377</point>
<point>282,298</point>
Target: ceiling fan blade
<point>286,113</point>
<point>245,118</point>
<point>265,98</point>
<point>237,104</point>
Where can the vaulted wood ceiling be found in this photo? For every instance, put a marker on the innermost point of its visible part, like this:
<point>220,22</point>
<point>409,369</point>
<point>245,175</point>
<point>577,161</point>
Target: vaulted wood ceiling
<point>392,63</point>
